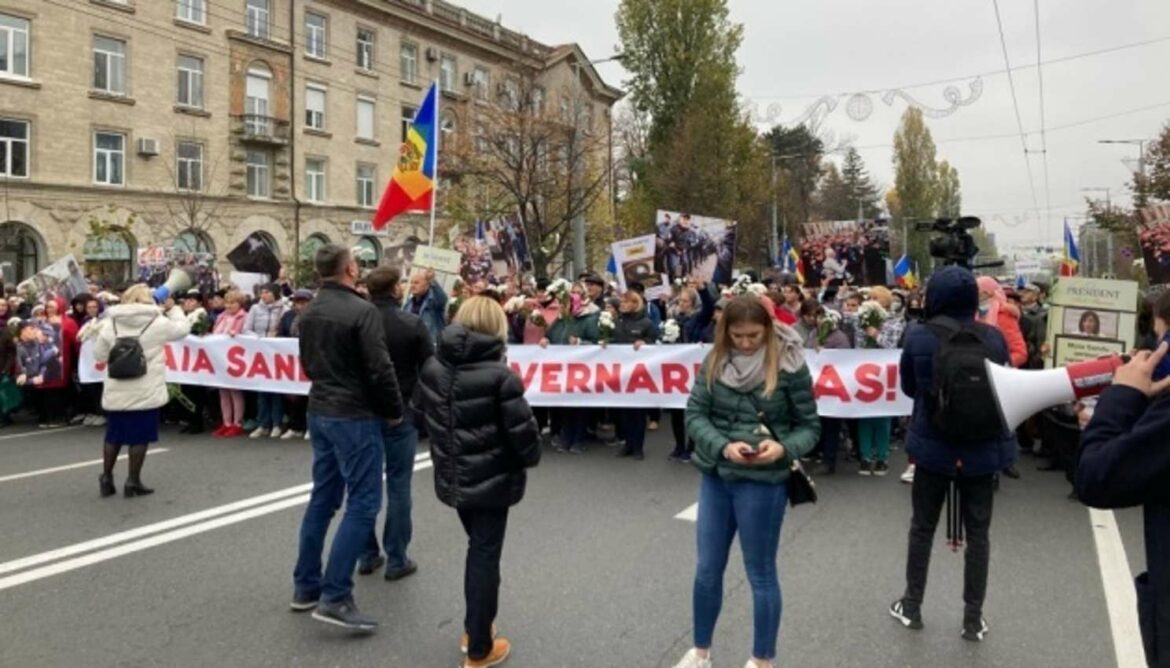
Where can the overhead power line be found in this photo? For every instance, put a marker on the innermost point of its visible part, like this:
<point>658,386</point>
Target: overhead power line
<point>1016,105</point>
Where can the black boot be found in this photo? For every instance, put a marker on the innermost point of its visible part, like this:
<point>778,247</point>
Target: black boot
<point>134,486</point>
<point>106,485</point>
<point>106,480</point>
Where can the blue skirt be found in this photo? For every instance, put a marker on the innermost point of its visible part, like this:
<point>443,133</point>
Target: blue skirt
<point>132,427</point>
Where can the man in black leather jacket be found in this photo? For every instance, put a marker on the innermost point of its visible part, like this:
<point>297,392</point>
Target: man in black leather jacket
<point>353,395</point>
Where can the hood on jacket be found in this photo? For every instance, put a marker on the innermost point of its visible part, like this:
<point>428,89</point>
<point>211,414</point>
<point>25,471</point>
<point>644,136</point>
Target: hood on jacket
<point>134,315</point>
<point>459,346</point>
<point>952,292</point>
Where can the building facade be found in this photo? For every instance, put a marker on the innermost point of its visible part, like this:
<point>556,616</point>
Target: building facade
<point>194,124</point>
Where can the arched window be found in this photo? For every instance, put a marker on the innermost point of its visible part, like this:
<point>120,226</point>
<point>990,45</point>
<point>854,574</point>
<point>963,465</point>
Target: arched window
<point>111,256</point>
<point>312,244</point>
<point>22,252</point>
<point>194,241</point>
<point>367,251</point>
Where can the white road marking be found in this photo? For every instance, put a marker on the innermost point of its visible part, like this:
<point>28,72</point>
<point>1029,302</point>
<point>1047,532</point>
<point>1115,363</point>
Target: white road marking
<point>690,514</point>
<point>70,467</point>
<point>1120,596</point>
<point>40,432</point>
<point>219,517</point>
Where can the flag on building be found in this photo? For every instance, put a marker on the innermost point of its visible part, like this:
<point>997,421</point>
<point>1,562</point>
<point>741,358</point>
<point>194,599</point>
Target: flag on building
<point>904,276</point>
<point>412,186</point>
<point>1072,255</point>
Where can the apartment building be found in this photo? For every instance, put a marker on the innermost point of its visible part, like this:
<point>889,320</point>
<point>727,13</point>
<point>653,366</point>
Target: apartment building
<point>194,124</point>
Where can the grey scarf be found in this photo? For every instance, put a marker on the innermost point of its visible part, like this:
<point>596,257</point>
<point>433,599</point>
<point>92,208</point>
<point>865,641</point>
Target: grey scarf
<point>746,372</point>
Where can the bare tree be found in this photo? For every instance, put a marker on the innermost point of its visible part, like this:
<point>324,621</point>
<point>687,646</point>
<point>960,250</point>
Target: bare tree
<point>193,193</point>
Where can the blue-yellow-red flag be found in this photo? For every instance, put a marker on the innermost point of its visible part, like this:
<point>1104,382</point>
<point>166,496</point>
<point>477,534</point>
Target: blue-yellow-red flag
<point>412,186</point>
<point>1072,255</point>
<point>796,263</point>
<point>904,274</point>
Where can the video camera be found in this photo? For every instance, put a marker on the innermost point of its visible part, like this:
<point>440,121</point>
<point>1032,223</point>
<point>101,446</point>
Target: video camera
<point>954,244</point>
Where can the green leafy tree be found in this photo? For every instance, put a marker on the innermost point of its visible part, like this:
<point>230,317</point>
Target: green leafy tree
<point>862,190</point>
<point>950,194</point>
<point>799,154</point>
<point>834,199</point>
<point>915,181</point>
<point>1155,182</point>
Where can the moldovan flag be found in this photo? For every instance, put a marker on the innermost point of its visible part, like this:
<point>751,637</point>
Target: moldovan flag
<point>797,264</point>
<point>412,186</point>
<point>904,275</point>
<point>1072,255</point>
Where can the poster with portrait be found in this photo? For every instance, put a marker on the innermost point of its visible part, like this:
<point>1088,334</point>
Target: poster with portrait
<point>62,279</point>
<point>846,251</point>
<point>493,250</point>
<point>1154,236</point>
<point>40,353</point>
<point>689,246</point>
<point>401,255</point>
<point>634,259</point>
<point>1091,318</point>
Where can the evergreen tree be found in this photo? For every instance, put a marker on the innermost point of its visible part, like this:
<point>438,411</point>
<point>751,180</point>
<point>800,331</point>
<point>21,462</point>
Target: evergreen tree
<point>915,182</point>
<point>862,191</point>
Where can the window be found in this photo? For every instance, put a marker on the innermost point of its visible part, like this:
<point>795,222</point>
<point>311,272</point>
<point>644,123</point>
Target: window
<point>367,177</point>
<point>109,158</point>
<point>256,101</point>
<point>257,17</point>
<point>447,123</point>
<point>109,65</point>
<point>481,140</point>
<point>407,119</point>
<point>588,118</point>
<point>538,101</point>
<point>510,97</point>
<point>190,81</point>
<point>448,73</point>
<point>365,118</point>
<point>194,11</point>
<point>566,116</point>
<point>189,166</point>
<point>13,46</point>
<point>315,45</point>
<point>315,107</point>
<point>366,252</point>
<point>482,79</point>
<point>259,176</point>
<point>315,179</point>
<point>13,148</point>
<point>365,49</point>
<point>408,62</point>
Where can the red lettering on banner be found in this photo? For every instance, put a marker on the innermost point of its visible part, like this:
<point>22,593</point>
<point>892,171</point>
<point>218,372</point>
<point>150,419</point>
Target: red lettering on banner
<point>578,380</point>
<point>550,382</point>
<point>607,378</point>
<point>527,375</point>
<point>259,367</point>
<point>674,379</point>
<point>829,384</point>
<point>202,363</point>
<point>892,385</point>
<point>286,367</point>
<point>235,358</point>
<point>301,371</point>
<point>869,378</point>
<point>169,358</point>
<point>640,380</point>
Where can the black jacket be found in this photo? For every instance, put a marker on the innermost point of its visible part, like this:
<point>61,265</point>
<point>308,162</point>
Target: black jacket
<point>631,327</point>
<point>409,343</point>
<point>482,431</point>
<point>1125,462</point>
<point>343,351</point>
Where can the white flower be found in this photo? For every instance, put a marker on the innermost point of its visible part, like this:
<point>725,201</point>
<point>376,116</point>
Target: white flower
<point>742,285</point>
<point>670,331</point>
<point>758,289</point>
<point>871,314</point>
<point>833,316</point>
<point>605,320</point>
<point>1139,263</point>
<point>514,304</point>
<point>560,289</point>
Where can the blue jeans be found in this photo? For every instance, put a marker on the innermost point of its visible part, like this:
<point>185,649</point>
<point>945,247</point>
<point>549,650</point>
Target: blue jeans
<point>756,510</point>
<point>269,409</point>
<point>400,444</point>
<point>347,458</point>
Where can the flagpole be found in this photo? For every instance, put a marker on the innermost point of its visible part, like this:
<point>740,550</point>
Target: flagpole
<point>435,165</point>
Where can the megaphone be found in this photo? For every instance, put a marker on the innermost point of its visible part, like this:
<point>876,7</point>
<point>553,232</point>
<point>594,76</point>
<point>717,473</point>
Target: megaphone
<point>180,280</point>
<point>1022,394</point>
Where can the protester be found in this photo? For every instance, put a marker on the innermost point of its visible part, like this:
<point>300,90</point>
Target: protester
<point>194,397</point>
<point>826,334</point>
<point>295,405</point>
<point>483,436</point>
<point>874,433</point>
<point>231,402</point>
<point>132,400</point>
<point>410,346</point>
<point>581,326</point>
<point>997,311</point>
<point>971,467</point>
<point>756,370</point>
<point>632,327</point>
<point>428,301</point>
<point>89,395</point>
<point>354,393</point>
<point>264,321</point>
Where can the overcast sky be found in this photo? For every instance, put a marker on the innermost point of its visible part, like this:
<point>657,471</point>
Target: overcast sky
<point>797,50</point>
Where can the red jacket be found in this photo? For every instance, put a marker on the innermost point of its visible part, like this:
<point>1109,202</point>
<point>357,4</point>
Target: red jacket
<point>68,330</point>
<point>1008,323</point>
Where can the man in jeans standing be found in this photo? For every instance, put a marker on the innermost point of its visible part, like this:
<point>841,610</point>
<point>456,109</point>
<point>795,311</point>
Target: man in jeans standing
<point>971,467</point>
<point>353,397</point>
<point>410,347</point>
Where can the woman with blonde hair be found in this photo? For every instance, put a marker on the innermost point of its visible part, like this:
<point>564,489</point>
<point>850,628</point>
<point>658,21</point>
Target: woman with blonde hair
<point>231,402</point>
<point>136,385</point>
<point>483,437</point>
<point>751,415</point>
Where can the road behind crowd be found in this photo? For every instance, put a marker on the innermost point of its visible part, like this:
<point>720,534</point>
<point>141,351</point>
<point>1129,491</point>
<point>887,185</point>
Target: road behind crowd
<point>597,568</point>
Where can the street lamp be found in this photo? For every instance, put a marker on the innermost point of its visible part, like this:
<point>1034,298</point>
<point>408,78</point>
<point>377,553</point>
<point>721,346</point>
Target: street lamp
<point>1096,265</point>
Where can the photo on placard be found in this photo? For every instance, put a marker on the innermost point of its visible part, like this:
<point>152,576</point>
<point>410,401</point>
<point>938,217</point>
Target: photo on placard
<point>1091,323</point>
<point>694,247</point>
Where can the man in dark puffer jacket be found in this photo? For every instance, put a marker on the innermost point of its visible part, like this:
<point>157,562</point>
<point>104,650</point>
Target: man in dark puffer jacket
<point>483,436</point>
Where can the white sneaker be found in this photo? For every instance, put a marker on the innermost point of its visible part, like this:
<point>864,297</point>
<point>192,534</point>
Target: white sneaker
<point>308,437</point>
<point>87,420</point>
<point>692,660</point>
<point>908,476</point>
<point>276,433</point>
<point>291,434</point>
<point>98,421</point>
<point>77,419</point>
<point>258,432</point>
<point>752,664</point>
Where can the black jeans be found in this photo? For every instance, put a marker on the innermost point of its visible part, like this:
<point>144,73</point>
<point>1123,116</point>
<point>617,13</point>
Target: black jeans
<point>929,494</point>
<point>678,425</point>
<point>830,441</point>
<point>481,576</point>
<point>631,427</point>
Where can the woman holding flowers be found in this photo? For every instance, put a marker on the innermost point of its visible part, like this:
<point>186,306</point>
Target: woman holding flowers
<point>578,324</point>
<point>632,327</point>
<point>824,333</point>
<point>877,329</point>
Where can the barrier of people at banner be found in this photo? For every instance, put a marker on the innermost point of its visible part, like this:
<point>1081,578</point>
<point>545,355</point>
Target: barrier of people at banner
<point>847,383</point>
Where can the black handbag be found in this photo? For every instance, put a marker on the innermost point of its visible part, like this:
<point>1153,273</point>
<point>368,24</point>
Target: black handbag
<point>801,487</point>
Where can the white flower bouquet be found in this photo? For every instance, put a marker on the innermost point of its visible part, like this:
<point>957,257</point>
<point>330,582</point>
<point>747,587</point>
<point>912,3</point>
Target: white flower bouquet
<point>514,305</point>
<point>871,314</point>
<point>671,331</point>
<point>606,326</point>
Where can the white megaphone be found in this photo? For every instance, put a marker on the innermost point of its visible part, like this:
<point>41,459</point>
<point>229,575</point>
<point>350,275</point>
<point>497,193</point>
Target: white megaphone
<point>1022,394</point>
<point>180,280</point>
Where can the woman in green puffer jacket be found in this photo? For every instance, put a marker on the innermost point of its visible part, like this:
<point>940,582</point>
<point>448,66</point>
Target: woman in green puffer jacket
<point>755,362</point>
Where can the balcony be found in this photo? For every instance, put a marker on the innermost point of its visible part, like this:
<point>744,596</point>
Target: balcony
<point>256,129</point>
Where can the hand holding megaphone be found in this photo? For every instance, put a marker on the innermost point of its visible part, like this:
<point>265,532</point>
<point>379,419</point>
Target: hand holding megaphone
<point>179,280</point>
<point>1022,394</point>
<point>1141,372</point>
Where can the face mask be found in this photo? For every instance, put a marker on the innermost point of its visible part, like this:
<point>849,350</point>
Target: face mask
<point>575,304</point>
<point>984,308</point>
<point>896,307</point>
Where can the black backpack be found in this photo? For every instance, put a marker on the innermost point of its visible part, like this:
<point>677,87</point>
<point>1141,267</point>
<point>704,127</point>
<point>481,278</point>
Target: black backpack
<point>963,404</point>
<point>127,360</point>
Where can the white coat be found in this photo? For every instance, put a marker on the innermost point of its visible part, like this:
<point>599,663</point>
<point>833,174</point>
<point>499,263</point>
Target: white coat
<point>149,391</point>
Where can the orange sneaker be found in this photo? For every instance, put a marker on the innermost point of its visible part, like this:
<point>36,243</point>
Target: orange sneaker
<point>466,639</point>
<point>501,648</point>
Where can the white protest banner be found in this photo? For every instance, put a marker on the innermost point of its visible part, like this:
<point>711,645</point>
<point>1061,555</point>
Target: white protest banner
<point>846,383</point>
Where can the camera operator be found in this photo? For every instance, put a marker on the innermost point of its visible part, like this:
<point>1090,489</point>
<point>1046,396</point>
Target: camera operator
<point>1125,462</point>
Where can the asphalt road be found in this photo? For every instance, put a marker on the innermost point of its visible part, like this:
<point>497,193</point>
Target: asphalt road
<point>597,569</point>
